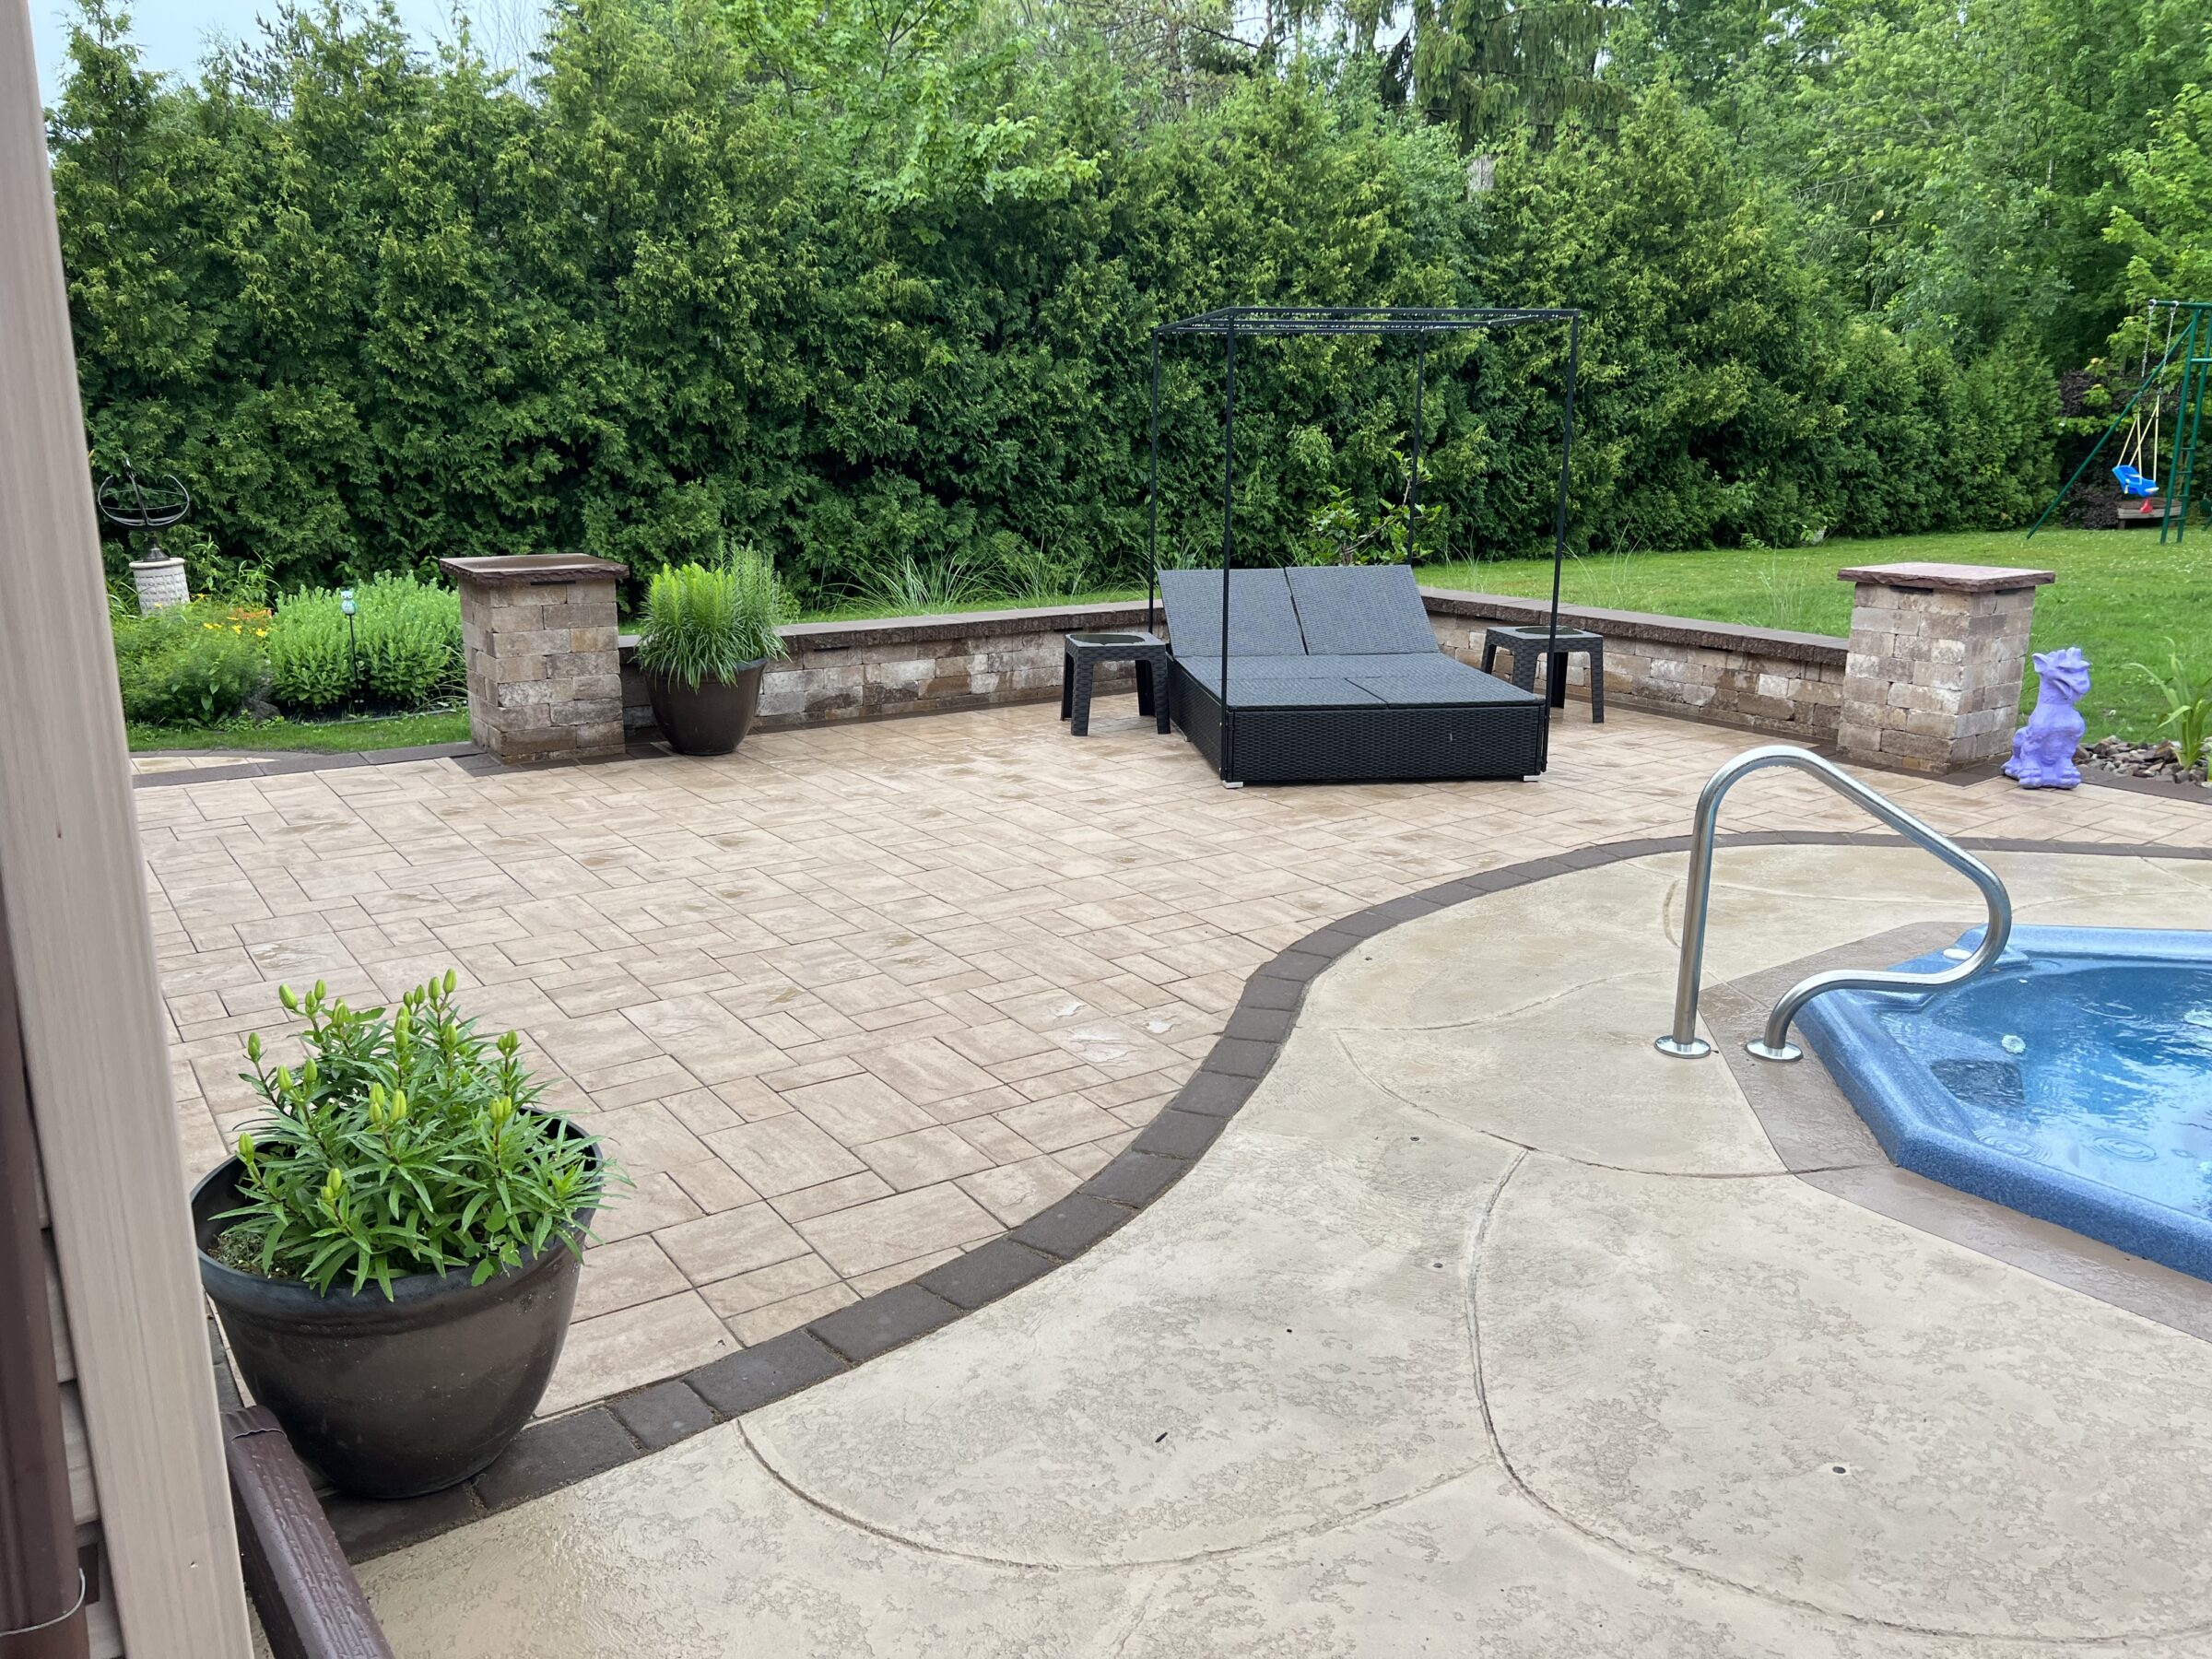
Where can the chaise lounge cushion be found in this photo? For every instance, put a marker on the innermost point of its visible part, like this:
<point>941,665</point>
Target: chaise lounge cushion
<point>1434,681</point>
<point>1366,610</point>
<point>1406,680</point>
<point>1261,620</point>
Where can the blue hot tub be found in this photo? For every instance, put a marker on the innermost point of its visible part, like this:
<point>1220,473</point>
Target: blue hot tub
<point>2072,1082</point>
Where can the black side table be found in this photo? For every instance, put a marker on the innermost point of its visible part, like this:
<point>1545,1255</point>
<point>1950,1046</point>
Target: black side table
<point>1529,644</point>
<point>1083,654</point>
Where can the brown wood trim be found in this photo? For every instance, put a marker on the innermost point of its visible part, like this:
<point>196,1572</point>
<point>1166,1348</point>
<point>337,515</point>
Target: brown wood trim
<point>311,1605</point>
<point>41,1595</point>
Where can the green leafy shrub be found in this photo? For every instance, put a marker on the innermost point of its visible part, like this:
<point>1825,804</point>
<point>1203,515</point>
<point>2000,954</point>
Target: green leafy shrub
<point>403,647</point>
<point>402,1145</point>
<point>311,658</point>
<point>199,662</point>
<point>707,621</point>
<point>410,640</point>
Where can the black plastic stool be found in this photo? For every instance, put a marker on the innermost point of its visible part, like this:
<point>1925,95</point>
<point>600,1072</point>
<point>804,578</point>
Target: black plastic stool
<point>1527,645</point>
<point>1085,651</point>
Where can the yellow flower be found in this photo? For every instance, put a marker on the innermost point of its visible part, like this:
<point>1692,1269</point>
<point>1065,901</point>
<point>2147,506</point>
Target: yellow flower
<point>261,633</point>
<point>236,628</point>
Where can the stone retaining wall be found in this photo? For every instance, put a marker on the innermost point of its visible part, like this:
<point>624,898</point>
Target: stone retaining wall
<point>914,664</point>
<point>1787,684</point>
<point>1763,679</point>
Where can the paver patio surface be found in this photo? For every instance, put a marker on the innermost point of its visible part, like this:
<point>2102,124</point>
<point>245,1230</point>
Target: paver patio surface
<point>1483,1330</point>
<point>858,998</point>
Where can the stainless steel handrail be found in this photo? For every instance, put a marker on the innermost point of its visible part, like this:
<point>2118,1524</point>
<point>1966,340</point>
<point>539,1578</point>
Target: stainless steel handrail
<point>1683,1042</point>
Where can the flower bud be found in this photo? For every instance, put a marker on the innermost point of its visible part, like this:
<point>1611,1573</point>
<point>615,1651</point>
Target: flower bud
<point>451,981</point>
<point>399,1105</point>
<point>290,998</point>
<point>254,1047</point>
<point>245,1149</point>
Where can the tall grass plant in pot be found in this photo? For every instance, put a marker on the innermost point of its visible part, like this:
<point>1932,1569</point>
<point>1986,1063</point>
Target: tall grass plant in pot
<point>394,1250</point>
<point>708,631</point>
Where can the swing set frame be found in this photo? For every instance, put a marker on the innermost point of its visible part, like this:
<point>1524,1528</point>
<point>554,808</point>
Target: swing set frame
<point>2188,332</point>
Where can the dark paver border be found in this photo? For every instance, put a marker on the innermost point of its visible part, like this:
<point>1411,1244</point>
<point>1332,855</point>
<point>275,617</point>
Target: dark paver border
<point>561,1451</point>
<point>284,765</point>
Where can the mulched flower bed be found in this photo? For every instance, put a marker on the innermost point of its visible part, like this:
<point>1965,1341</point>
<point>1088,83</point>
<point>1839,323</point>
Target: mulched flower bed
<point>2138,761</point>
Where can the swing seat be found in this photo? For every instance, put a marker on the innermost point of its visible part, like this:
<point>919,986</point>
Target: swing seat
<point>2133,482</point>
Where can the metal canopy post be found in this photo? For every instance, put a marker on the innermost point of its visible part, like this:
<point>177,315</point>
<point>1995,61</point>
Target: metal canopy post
<point>1413,480</point>
<point>1228,539</point>
<point>1152,499</point>
<point>1558,516</point>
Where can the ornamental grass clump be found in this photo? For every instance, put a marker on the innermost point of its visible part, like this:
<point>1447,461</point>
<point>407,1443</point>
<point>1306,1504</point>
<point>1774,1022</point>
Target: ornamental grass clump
<point>401,1146</point>
<point>705,622</point>
<point>2188,693</point>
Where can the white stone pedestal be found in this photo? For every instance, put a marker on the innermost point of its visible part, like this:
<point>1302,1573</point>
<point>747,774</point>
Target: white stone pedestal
<point>161,584</point>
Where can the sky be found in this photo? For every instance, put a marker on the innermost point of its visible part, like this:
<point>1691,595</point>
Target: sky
<point>175,34</point>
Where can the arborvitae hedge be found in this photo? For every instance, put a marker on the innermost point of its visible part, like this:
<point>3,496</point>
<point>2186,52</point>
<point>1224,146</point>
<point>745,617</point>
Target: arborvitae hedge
<point>377,310</point>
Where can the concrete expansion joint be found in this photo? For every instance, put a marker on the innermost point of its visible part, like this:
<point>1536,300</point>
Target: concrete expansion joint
<point>1478,1239</point>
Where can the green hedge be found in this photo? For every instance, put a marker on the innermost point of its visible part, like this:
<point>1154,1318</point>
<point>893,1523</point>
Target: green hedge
<point>377,309</point>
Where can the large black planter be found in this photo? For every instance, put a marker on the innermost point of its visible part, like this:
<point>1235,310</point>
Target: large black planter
<point>711,718</point>
<point>391,1398</point>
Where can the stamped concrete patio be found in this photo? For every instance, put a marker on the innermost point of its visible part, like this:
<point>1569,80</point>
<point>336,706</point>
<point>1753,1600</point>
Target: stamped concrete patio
<point>1483,1330</point>
<point>859,998</point>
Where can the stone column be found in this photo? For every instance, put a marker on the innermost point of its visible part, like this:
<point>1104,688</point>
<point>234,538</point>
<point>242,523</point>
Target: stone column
<point>539,632</point>
<point>1932,682</point>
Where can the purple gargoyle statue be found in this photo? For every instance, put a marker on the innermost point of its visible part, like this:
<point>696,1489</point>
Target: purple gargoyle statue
<point>2043,751</point>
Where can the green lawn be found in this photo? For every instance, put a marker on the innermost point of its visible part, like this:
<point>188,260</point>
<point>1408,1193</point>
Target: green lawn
<point>318,737</point>
<point>2119,595</point>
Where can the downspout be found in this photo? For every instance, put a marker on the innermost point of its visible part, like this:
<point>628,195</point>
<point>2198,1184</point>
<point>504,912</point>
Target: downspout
<point>41,1593</point>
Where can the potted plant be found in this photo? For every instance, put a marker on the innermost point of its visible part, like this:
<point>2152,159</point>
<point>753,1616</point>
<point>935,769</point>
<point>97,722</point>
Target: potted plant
<point>707,633</point>
<point>393,1252</point>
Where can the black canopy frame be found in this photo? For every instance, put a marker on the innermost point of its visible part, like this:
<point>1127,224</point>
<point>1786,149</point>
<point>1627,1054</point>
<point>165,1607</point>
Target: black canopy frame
<point>1236,321</point>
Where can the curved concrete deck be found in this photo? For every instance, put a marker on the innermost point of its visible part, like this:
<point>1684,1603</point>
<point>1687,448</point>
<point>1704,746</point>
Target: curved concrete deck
<point>1483,1330</point>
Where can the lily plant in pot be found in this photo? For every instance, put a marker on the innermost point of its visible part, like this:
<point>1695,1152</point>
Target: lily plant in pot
<point>394,1250</point>
<point>708,631</point>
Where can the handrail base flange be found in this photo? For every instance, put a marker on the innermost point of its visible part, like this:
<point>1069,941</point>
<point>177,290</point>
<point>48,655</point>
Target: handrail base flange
<point>1758,1048</point>
<point>1697,1048</point>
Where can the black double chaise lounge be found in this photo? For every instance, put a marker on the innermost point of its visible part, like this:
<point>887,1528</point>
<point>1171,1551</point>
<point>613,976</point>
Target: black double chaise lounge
<point>1333,675</point>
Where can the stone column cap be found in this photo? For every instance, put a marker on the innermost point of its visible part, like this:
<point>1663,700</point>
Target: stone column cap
<point>1953,578</point>
<point>533,570</point>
